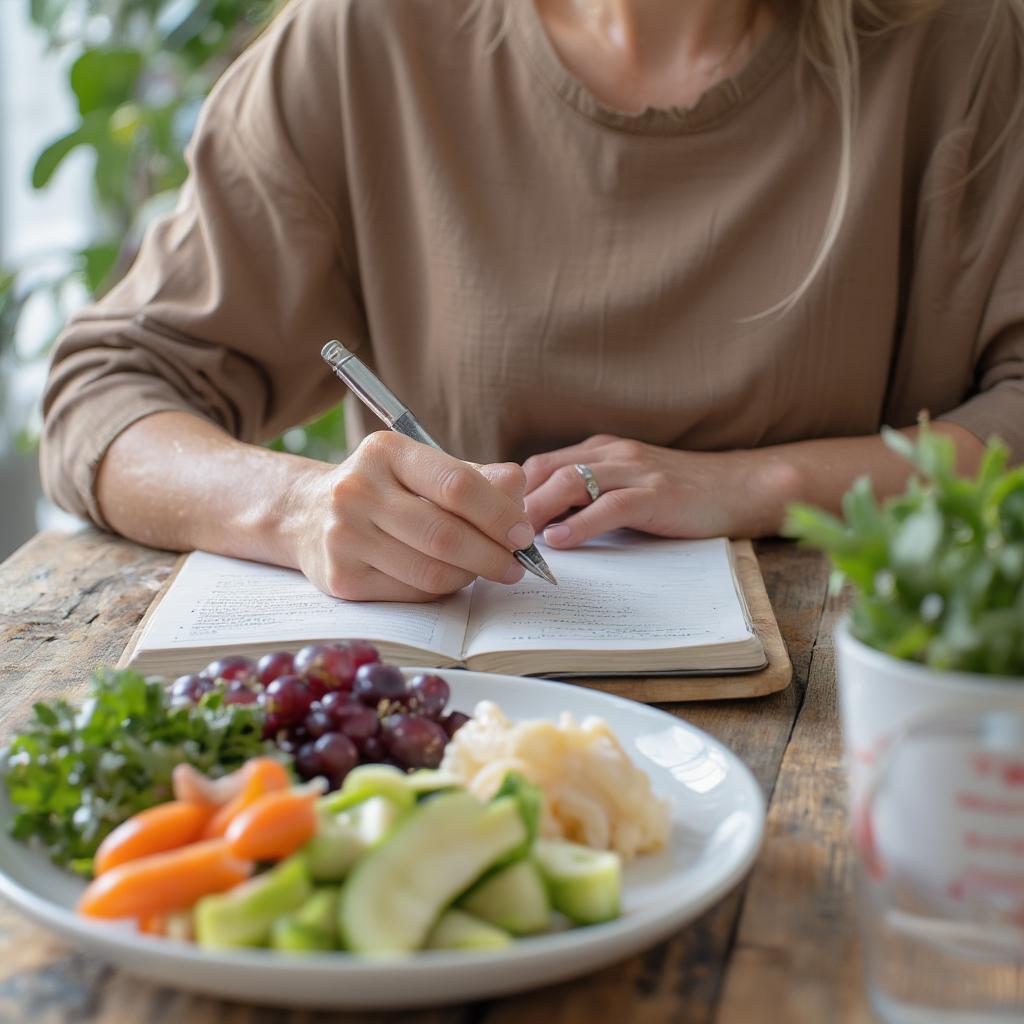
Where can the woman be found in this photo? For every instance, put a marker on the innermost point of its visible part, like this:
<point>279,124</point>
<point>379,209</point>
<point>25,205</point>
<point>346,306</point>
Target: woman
<point>703,247</point>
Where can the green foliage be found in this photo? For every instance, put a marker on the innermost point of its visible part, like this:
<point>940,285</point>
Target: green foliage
<point>322,438</point>
<point>142,70</point>
<point>75,773</point>
<point>939,570</point>
<point>11,302</point>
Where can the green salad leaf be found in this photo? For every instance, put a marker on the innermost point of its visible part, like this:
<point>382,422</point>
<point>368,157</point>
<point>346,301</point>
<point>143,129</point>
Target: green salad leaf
<point>75,773</point>
<point>938,570</point>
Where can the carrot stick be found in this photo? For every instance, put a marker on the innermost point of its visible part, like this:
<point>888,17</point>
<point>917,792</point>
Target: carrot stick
<point>276,825</point>
<point>261,775</point>
<point>164,882</point>
<point>155,830</point>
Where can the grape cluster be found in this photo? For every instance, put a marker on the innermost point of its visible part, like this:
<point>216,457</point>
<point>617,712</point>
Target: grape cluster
<point>333,706</point>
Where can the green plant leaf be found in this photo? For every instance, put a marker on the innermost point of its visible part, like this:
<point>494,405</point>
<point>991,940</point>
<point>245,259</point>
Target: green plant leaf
<point>105,79</point>
<point>899,442</point>
<point>47,13</point>
<point>938,570</point>
<point>916,541</point>
<point>53,156</point>
<point>98,260</point>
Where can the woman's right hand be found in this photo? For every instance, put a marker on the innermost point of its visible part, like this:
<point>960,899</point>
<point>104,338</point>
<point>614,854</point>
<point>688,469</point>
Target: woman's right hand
<point>400,521</point>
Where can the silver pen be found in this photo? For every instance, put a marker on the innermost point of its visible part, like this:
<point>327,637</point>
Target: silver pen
<point>378,398</point>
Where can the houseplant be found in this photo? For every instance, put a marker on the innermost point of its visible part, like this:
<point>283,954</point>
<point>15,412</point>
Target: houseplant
<point>937,618</point>
<point>931,690</point>
<point>141,69</point>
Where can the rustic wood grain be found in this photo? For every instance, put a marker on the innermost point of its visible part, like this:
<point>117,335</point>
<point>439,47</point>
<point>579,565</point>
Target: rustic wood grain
<point>68,603</point>
<point>796,948</point>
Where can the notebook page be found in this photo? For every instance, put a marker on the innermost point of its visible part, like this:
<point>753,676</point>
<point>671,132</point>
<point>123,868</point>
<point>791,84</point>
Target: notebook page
<point>623,591</point>
<point>216,600</point>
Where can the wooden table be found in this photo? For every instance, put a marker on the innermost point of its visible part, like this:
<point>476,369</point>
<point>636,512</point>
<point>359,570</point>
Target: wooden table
<point>781,948</point>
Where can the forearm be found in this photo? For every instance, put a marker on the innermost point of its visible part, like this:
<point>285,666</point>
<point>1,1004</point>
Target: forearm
<point>176,481</point>
<point>819,472</point>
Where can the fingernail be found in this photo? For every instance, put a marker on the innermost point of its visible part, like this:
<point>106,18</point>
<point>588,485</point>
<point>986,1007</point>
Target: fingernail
<point>515,573</point>
<point>521,536</point>
<point>557,534</point>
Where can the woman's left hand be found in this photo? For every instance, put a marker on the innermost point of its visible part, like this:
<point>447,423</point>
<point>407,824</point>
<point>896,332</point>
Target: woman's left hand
<point>662,491</point>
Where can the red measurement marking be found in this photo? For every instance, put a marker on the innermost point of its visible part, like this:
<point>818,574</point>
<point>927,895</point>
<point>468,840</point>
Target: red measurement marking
<point>864,841</point>
<point>995,844</point>
<point>1013,773</point>
<point>981,879</point>
<point>989,805</point>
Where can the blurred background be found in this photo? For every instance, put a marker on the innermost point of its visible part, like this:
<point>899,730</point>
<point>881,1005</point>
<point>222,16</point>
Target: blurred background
<point>98,99</point>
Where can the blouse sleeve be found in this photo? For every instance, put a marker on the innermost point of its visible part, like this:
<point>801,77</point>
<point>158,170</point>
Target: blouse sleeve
<point>965,324</point>
<point>232,296</point>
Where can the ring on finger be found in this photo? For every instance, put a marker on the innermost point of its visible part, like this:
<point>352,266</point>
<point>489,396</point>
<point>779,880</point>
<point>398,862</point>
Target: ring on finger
<point>587,475</point>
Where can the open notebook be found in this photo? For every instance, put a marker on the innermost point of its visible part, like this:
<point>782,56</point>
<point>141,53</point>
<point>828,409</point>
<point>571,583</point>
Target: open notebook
<point>626,604</point>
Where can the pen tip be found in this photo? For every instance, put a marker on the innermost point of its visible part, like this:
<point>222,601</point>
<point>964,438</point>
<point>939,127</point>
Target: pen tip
<point>545,570</point>
<point>530,558</point>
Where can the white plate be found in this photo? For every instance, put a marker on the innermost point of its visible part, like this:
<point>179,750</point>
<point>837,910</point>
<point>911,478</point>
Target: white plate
<point>717,822</point>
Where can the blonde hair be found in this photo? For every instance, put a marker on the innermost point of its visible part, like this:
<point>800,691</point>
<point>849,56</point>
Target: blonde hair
<point>829,35</point>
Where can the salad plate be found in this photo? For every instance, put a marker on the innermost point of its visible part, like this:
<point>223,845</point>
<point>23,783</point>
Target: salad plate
<point>717,821</point>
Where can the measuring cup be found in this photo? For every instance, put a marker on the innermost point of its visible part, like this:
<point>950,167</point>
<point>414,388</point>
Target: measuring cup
<point>936,770</point>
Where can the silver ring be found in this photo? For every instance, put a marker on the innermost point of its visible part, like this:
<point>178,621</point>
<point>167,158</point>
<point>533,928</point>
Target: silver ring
<point>588,481</point>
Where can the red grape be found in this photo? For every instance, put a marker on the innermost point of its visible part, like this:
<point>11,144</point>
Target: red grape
<point>240,693</point>
<point>453,722</point>
<point>331,662</point>
<point>376,682</point>
<point>335,700</point>
<point>190,688</point>
<point>307,761</point>
<point>318,683</point>
<point>372,749</point>
<point>318,722</point>
<point>414,741</point>
<point>234,667</point>
<point>428,695</point>
<point>272,725</point>
<point>363,653</point>
<point>357,723</point>
<point>287,699</point>
<point>273,666</point>
<point>337,756</point>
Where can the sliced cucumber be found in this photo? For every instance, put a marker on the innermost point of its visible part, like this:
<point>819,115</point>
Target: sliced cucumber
<point>398,890</point>
<point>514,898</point>
<point>320,911</point>
<point>458,930</point>
<point>289,936</point>
<point>584,884</point>
<point>330,854</point>
<point>374,819</point>
<point>430,780</point>
<point>314,926</point>
<point>245,915</point>
<point>366,781</point>
<point>342,839</point>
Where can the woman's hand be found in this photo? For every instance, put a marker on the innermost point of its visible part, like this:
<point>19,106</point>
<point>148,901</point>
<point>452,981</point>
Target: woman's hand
<point>399,521</point>
<point>657,490</point>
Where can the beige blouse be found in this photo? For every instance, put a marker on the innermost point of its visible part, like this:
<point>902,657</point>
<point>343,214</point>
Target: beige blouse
<point>526,267</point>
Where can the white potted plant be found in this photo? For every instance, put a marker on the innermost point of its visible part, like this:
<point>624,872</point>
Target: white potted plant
<point>931,689</point>
<point>937,619</point>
